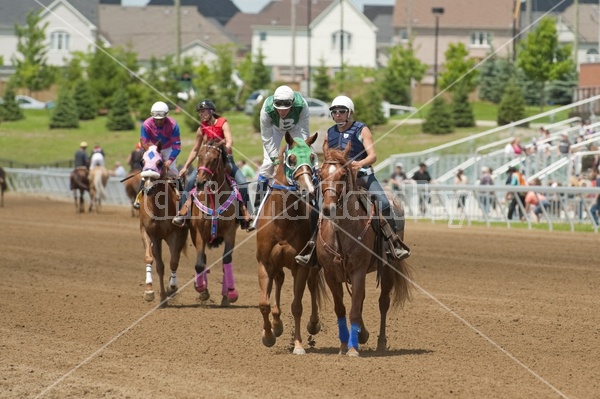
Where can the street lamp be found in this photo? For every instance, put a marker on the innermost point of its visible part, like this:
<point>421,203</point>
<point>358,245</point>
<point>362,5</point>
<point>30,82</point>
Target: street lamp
<point>436,11</point>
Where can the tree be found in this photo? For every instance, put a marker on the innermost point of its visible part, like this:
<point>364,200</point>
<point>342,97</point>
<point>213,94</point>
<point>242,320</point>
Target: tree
<point>368,106</point>
<point>542,58</point>
<point>494,73</point>
<point>462,111</point>
<point>439,118</point>
<point>403,66</point>
<point>224,89</point>
<point>119,117</point>
<point>10,108</point>
<point>64,115</point>
<point>458,68</point>
<point>512,106</point>
<point>107,76</point>
<point>322,82</point>
<point>84,100</point>
<point>31,69</point>
<point>260,75</point>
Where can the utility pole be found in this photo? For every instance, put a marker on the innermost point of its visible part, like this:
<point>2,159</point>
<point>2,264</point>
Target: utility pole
<point>528,14</point>
<point>308,19</point>
<point>409,18</point>
<point>342,40</point>
<point>293,72</point>
<point>576,39</point>
<point>178,31</point>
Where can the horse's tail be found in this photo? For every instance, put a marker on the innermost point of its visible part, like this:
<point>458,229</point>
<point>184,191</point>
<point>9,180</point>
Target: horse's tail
<point>99,183</point>
<point>321,287</point>
<point>402,281</point>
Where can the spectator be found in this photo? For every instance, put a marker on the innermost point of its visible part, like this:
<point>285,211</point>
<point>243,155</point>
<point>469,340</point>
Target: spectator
<point>397,177</point>
<point>486,198</point>
<point>422,176</point>
<point>596,207</point>
<point>515,178</point>
<point>119,170</point>
<point>134,160</point>
<point>535,201</point>
<point>247,170</point>
<point>514,148</point>
<point>461,180</point>
<point>564,145</point>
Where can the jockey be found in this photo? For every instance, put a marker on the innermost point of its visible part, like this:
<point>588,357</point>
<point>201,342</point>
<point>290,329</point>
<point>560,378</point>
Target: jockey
<point>97,158</point>
<point>212,127</point>
<point>81,157</point>
<point>285,110</point>
<point>362,156</point>
<point>160,127</point>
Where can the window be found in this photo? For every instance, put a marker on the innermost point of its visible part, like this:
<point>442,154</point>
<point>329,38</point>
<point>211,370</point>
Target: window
<point>60,40</point>
<point>592,55</point>
<point>341,40</point>
<point>403,34</point>
<point>263,36</point>
<point>481,39</point>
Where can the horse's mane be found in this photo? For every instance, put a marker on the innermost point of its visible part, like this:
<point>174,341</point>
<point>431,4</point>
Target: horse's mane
<point>336,156</point>
<point>215,143</point>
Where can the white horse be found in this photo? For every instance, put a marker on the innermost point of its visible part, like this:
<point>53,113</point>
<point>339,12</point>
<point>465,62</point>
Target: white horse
<point>98,180</point>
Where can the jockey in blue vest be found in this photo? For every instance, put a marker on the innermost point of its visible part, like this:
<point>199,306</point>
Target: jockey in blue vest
<point>362,156</point>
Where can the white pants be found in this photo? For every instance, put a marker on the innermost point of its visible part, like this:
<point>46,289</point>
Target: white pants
<point>173,172</point>
<point>267,168</point>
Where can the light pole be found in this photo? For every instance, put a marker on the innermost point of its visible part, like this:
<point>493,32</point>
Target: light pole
<point>437,11</point>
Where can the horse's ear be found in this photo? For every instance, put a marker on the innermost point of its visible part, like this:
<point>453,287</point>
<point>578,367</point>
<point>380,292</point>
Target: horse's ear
<point>312,139</point>
<point>159,146</point>
<point>289,139</point>
<point>347,150</point>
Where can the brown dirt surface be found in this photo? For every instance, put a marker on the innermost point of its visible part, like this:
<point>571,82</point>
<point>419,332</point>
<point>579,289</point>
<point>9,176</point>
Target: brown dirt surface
<point>496,313</point>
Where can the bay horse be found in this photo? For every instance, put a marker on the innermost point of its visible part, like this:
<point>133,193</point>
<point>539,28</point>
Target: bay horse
<point>283,229</point>
<point>98,178</point>
<point>80,183</point>
<point>132,185</point>
<point>3,186</point>
<point>348,248</point>
<point>157,209</point>
<point>215,201</point>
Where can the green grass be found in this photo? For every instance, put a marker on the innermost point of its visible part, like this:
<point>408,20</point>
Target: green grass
<point>542,226</point>
<point>31,141</point>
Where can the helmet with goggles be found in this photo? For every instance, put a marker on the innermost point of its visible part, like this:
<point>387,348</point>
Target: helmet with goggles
<point>283,97</point>
<point>159,110</point>
<point>342,102</point>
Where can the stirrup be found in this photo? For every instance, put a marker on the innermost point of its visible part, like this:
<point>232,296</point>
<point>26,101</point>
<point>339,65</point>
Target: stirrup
<point>138,199</point>
<point>397,252</point>
<point>179,221</point>
<point>306,257</point>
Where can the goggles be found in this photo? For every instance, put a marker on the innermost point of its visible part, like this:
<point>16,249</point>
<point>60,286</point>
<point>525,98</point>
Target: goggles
<point>159,114</point>
<point>339,111</point>
<point>283,103</point>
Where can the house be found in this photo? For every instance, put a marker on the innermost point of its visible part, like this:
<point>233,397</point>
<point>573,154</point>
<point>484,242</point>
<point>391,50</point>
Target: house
<point>482,26</point>
<point>339,34</point>
<point>151,31</point>
<point>382,17</point>
<point>72,26</point>
<point>221,11</point>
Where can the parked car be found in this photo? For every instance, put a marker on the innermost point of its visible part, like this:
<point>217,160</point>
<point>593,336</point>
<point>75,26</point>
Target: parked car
<point>253,100</point>
<point>26,102</point>
<point>317,107</point>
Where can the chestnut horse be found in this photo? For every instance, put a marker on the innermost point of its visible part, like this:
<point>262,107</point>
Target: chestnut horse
<point>213,221</point>
<point>348,248</point>
<point>283,230</point>
<point>3,186</point>
<point>157,209</point>
<point>79,182</point>
<point>98,178</point>
<point>132,185</point>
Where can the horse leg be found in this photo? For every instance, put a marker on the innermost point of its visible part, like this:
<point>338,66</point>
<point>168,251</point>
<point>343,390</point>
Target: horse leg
<point>276,310</point>
<point>300,280</point>
<point>357,329</point>
<point>265,282</point>
<point>228,291</point>
<point>337,291</point>
<point>201,278</point>
<point>160,268</point>
<point>175,251</point>
<point>314,325</point>
<point>387,283</point>
<point>149,293</point>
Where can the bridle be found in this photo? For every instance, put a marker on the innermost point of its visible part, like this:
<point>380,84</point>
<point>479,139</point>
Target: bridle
<point>211,172</point>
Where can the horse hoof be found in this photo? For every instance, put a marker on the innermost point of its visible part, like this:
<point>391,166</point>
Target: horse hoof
<point>200,282</point>
<point>352,352</point>
<point>313,328</point>
<point>232,295</point>
<point>268,341</point>
<point>172,289</point>
<point>204,296</point>
<point>299,351</point>
<point>225,302</point>
<point>381,345</point>
<point>149,296</point>
<point>363,336</point>
<point>277,329</point>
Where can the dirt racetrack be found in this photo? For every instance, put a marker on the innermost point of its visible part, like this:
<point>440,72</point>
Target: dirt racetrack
<point>497,314</point>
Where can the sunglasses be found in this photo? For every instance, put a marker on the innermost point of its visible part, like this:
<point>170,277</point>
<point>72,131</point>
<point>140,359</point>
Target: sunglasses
<point>342,111</point>
<point>159,114</point>
<point>283,103</point>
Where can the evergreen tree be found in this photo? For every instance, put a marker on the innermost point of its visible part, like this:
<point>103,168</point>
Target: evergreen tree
<point>439,119</point>
<point>366,107</point>
<point>64,114</point>
<point>105,75</point>
<point>10,108</point>
<point>512,106</point>
<point>82,94</point>
<point>260,75</point>
<point>322,82</point>
<point>225,89</point>
<point>31,68</point>
<point>462,111</point>
<point>119,117</point>
<point>402,67</point>
<point>458,68</point>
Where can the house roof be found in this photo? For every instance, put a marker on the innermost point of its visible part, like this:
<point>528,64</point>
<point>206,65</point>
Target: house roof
<point>275,13</point>
<point>480,14</point>
<point>151,30</point>
<point>15,12</point>
<point>221,10</point>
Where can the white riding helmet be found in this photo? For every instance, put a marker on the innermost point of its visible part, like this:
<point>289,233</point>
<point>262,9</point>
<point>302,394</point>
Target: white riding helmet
<point>283,97</point>
<point>159,110</point>
<point>342,101</point>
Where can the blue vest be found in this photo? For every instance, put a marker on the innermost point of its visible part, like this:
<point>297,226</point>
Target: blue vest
<point>339,141</point>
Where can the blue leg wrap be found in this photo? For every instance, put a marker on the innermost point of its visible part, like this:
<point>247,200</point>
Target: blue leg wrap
<point>343,332</point>
<point>354,330</point>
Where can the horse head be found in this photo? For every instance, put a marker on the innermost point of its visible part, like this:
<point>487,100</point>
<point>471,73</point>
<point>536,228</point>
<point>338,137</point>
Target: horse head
<point>337,179</point>
<point>152,166</point>
<point>299,164</point>
<point>212,161</point>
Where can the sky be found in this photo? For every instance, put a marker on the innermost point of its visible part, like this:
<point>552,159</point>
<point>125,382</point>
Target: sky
<point>252,6</point>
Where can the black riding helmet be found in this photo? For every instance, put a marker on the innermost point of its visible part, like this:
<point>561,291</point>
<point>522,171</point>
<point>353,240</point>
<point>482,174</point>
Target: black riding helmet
<point>206,104</point>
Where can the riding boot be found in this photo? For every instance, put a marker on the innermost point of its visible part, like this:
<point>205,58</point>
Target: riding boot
<point>398,249</point>
<point>138,197</point>
<point>261,190</point>
<point>307,256</point>
<point>180,218</point>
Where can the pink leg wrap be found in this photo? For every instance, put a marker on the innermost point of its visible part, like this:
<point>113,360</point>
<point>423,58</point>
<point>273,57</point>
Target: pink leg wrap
<point>229,282</point>
<point>201,281</point>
